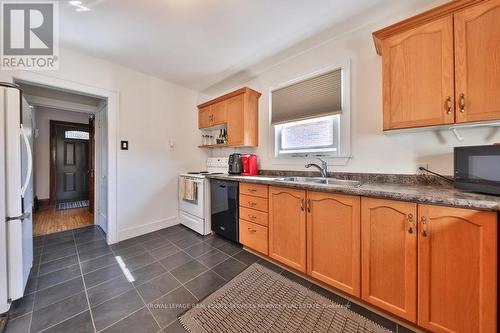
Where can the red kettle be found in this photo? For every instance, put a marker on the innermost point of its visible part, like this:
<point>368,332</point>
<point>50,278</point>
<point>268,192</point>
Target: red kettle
<point>250,165</point>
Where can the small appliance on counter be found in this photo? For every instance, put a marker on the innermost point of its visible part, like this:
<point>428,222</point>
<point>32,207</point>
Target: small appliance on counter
<point>235,166</point>
<point>224,198</point>
<point>250,166</point>
<point>477,169</point>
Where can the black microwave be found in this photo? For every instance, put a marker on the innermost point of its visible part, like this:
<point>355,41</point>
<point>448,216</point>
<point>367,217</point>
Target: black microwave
<point>477,169</point>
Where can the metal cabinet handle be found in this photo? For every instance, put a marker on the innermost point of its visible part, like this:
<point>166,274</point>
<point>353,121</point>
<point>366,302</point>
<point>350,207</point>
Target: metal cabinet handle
<point>252,190</point>
<point>252,230</point>
<point>252,217</point>
<point>462,102</point>
<point>302,204</point>
<point>251,204</point>
<point>410,223</point>
<point>424,226</point>
<point>449,105</point>
<point>308,205</point>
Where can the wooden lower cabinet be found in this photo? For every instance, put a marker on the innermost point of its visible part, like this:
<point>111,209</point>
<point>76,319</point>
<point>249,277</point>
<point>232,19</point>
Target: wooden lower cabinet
<point>254,236</point>
<point>333,240</point>
<point>287,227</point>
<point>389,256</point>
<point>457,270</point>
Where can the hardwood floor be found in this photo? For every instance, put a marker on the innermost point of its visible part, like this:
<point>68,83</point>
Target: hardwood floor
<point>48,220</point>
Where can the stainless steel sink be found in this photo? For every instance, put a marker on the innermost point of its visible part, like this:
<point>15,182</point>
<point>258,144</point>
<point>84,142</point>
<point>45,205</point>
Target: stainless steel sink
<point>320,180</point>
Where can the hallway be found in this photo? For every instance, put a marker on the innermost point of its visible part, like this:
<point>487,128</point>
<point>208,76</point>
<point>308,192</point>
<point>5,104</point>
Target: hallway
<point>47,220</point>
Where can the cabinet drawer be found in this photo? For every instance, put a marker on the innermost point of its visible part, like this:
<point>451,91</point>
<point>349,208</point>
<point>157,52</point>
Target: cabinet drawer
<point>254,216</point>
<point>253,202</point>
<point>254,189</point>
<point>254,236</point>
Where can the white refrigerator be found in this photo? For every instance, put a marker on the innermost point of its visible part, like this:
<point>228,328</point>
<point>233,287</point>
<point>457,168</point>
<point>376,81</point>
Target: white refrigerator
<point>16,235</point>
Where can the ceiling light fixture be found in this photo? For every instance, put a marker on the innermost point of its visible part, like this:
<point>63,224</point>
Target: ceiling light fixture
<point>79,6</point>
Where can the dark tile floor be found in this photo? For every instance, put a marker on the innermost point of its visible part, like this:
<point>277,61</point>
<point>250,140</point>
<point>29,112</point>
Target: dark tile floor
<point>80,284</point>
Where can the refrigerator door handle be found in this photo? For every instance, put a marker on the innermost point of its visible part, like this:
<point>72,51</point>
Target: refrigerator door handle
<point>22,217</point>
<point>30,162</point>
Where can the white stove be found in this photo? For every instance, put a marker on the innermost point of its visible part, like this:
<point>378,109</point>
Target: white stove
<point>194,212</point>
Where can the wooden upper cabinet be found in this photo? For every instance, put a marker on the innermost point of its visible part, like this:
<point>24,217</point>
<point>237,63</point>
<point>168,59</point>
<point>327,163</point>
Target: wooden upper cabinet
<point>442,66</point>
<point>219,113</point>
<point>204,117</point>
<point>477,62</point>
<point>389,256</point>
<point>239,111</point>
<point>235,121</point>
<point>457,275</point>
<point>287,227</point>
<point>418,88</point>
<point>333,240</point>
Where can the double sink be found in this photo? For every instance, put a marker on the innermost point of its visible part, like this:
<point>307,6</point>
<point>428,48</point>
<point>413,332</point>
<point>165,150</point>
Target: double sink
<point>321,180</point>
<point>315,180</point>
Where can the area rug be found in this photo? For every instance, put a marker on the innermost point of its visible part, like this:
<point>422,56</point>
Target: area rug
<point>72,204</point>
<point>260,300</point>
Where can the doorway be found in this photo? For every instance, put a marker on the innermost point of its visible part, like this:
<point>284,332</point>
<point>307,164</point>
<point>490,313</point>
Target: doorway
<point>69,151</point>
<point>71,164</point>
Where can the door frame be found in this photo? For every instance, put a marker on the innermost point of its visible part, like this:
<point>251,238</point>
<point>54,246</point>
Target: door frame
<point>112,121</point>
<point>53,154</point>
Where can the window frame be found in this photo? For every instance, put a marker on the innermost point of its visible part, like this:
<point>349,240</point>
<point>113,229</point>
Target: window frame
<point>343,152</point>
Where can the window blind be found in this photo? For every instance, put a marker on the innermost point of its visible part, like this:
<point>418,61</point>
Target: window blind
<point>312,98</point>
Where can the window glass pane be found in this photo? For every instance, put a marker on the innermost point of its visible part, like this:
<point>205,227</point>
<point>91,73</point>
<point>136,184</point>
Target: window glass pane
<point>314,133</point>
<point>79,135</point>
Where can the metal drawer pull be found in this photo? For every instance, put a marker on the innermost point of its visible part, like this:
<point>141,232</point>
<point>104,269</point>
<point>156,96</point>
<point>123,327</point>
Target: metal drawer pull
<point>410,223</point>
<point>252,216</point>
<point>462,102</point>
<point>251,204</point>
<point>449,105</point>
<point>309,205</point>
<point>302,205</point>
<point>252,230</point>
<point>424,226</point>
<point>252,190</point>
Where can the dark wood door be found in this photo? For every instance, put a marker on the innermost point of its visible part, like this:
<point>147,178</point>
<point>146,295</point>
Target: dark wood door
<point>91,163</point>
<point>72,163</point>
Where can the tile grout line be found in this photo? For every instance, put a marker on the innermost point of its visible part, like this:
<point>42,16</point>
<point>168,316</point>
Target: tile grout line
<point>68,318</point>
<point>142,299</point>
<point>85,288</point>
<point>35,293</point>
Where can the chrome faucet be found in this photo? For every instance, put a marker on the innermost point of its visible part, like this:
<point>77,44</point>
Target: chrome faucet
<point>323,168</point>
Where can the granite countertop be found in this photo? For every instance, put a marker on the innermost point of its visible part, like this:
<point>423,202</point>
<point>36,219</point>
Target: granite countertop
<point>439,194</point>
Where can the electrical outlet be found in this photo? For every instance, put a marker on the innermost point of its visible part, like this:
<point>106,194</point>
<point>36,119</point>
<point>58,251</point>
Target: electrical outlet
<point>424,165</point>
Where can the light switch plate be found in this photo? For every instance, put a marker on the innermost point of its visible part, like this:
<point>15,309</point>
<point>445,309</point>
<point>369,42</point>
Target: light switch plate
<point>124,145</point>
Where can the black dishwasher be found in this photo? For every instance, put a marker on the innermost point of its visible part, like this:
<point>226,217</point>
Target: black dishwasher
<point>224,203</point>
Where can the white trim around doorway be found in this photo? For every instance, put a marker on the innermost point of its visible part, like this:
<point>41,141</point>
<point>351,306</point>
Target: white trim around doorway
<point>112,136</point>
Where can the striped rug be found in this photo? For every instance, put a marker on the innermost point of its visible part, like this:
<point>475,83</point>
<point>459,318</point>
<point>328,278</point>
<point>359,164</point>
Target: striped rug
<point>72,204</point>
<point>260,300</point>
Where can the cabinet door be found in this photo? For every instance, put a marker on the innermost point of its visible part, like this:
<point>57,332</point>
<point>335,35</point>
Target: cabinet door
<point>204,117</point>
<point>333,240</point>
<point>219,113</point>
<point>235,124</point>
<point>418,85</point>
<point>457,270</point>
<point>477,62</point>
<point>287,227</point>
<point>389,256</point>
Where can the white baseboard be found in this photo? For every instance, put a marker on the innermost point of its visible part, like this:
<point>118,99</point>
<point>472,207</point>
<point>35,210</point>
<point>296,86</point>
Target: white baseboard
<point>147,228</point>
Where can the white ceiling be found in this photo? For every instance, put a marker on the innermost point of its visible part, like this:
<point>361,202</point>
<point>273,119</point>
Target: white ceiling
<point>193,42</point>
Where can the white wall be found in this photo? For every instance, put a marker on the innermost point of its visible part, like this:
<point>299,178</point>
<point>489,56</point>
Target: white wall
<point>42,144</point>
<point>151,112</point>
<point>372,150</point>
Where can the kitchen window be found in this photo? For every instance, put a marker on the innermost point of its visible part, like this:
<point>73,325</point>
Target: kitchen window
<point>311,116</point>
